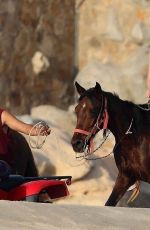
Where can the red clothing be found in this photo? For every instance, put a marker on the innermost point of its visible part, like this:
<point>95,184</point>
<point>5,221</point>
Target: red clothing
<point>6,143</point>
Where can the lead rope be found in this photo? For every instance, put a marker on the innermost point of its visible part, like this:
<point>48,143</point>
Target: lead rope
<point>39,127</point>
<point>86,154</point>
<point>136,189</point>
<point>59,147</point>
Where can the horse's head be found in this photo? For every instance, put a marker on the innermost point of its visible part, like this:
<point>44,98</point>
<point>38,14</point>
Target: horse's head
<point>90,116</point>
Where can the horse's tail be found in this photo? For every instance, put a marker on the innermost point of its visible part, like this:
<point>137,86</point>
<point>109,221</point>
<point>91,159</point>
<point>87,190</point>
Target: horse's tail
<point>135,192</point>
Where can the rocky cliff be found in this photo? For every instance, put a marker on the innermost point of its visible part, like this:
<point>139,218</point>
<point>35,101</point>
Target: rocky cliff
<point>44,43</point>
<point>36,53</point>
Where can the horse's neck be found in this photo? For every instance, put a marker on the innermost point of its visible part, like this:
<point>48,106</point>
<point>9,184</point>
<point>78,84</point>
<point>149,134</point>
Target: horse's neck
<point>120,115</point>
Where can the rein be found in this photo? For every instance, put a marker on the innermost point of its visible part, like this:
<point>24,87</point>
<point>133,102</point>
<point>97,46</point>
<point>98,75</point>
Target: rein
<point>126,133</point>
<point>102,118</point>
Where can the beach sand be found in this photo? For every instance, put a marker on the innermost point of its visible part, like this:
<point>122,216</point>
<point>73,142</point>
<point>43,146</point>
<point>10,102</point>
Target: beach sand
<point>35,216</point>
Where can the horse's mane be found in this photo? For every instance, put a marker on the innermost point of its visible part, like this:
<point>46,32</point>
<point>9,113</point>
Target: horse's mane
<point>139,112</point>
<point>137,109</point>
<point>90,93</point>
<point>115,95</point>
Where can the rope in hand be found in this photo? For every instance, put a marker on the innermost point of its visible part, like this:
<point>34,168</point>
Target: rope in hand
<point>60,149</point>
<point>40,130</point>
<point>87,154</point>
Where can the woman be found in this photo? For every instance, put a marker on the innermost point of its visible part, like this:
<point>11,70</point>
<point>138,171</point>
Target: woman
<point>13,144</point>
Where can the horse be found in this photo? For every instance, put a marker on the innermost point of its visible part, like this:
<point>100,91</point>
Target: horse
<point>130,125</point>
<point>22,160</point>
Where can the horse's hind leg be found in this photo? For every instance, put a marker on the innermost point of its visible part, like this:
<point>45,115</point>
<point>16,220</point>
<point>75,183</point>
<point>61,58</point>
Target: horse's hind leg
<point>122,184</point>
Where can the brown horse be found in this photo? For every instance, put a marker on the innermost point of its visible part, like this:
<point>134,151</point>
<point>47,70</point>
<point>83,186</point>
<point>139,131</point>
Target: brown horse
<point>130,125</point>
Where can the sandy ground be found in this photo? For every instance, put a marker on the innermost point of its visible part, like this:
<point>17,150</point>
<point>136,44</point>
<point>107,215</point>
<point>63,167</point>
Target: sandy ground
<point>34,216</point>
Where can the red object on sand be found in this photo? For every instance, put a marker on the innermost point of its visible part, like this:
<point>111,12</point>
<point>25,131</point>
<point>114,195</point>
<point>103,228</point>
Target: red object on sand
<point>17,187</point>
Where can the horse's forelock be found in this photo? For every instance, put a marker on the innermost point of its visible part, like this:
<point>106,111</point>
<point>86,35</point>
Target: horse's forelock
<point>90,93</point>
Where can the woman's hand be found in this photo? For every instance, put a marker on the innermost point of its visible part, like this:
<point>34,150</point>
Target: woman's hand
<point>44,130</point>
<point>40,129</point>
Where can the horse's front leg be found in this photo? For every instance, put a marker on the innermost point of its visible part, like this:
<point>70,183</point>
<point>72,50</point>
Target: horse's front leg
<point>122,184</point>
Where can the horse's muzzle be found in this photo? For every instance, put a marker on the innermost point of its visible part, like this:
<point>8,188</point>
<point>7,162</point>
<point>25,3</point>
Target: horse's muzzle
<point>78,145</point>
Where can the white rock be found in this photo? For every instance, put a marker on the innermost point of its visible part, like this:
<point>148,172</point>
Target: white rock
<point>40,63</point>
<point>113,29</point>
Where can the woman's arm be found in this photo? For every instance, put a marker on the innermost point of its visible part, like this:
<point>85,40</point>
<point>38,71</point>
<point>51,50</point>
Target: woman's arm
<point>17,125</point>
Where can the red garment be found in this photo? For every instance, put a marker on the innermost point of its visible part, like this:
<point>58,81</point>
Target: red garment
<point>6,143</point>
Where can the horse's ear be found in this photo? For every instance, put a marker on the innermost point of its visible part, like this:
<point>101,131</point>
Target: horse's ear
<point>79,88</point>
<point>98,87</point>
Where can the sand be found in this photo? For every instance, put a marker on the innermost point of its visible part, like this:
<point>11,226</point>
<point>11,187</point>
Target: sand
<point>35,216</point>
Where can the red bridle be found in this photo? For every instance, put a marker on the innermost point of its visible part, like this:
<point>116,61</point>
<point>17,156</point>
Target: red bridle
<point>103,117</point>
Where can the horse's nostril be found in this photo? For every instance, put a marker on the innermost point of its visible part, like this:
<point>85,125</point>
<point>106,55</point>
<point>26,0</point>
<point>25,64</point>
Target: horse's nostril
<point>78,145</point>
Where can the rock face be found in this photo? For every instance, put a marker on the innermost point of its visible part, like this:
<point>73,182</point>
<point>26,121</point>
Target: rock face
<point>29,28</point>
<point>112,32</point>
<point>127,83</point>
<point>114,39</point>
<point>42,47</point>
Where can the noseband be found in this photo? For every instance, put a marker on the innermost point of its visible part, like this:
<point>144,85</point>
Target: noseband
<point>102,118</point>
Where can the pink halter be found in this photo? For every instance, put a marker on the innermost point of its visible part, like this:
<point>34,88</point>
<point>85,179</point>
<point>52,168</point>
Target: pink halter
<point>96,127</point>
<point>81,131</point>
